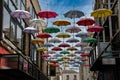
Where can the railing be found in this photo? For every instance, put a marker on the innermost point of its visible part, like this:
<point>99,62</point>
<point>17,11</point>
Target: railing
<point>17,61</point>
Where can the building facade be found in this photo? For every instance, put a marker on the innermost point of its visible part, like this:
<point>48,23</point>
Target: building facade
<point>18,57</point>
<point>104,58</point>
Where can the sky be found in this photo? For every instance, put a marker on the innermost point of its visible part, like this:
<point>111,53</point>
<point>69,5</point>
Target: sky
<point>62,6</point>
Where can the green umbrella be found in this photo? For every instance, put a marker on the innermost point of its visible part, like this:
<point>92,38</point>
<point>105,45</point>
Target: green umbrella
<point>51,30</point>
<point>64,52</point>
<point>90,40</point>
<point>59,60</point>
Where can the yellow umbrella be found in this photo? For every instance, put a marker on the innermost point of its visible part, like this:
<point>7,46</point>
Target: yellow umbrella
<point>37,41</point>
<point>63,35</point>
<point>61,22</point>
<point>99,13</point>
<point>41,49</point>
<point>71,55</point>
<point>49,63</point>
<point>65,58</point>
<point>72,48</point>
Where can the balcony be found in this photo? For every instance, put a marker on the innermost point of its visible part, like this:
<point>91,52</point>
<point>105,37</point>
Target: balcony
<point>17,66</point>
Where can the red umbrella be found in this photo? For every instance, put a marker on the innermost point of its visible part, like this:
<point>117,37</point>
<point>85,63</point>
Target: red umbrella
<point>86,65</point>
<point>95,29</point>
<point>85,22</point>
<point>47,14</point>
<point>53,61</point>
<point>56,49</point>
<point>44,35</point>
<point>84,54</point>
<point>55,65</point>
<point>64,45</point>
<point>45,55</point>
<point>83,59</point>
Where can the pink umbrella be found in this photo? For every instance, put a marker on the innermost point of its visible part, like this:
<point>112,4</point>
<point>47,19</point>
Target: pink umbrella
<point>44,35</point>
<point>64,45</point>
<point>85,22</point>
<point>83,59</point>
<point>56,49</point>
<point>84,54</point>
<point>95,29</point>
<point>45,55</point>
<point>30,30</point>
<point>73,29</point>
<point>47,14</point>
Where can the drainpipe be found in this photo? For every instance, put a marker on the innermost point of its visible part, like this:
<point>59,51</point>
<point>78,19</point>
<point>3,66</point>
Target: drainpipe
<point>119,14</point>
<point>1,18</point>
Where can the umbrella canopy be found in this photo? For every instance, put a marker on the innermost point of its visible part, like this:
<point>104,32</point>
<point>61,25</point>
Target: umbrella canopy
<point>80,45</point>
<point>54,40</point>
<point>58,55</point>
<point>88,48</point>
<point>30,30</point>
<point>22,14</point>
<point>47,14</point>
<point>51,30</point>
<point>74,14</point>
<point>51,52</point>
<point>90,40</point>
<point>82,34</point>
<point>45,55</point>
<point>41,49</point>
<point>84,54</point>
<point>101,13</point>
<point>63,35</point>
<point>85,22</point>
<point>65,58</point>
<point>73,29</point>
<point>95,29</point>
<point>38,22</point>
<point>47,45</point>
<point>83,59</point>
<point>37,41</point>
<point>64,45</point>
<point>53,61</point>
<point>59,60</point>
<point>71,55</point>
<point>64,52</point>
<point>79,51</point>
<point>44,35</point>
<point>56,49</point>
<point>72,48</point>
<point>72,40</point>
<point>61,22</point>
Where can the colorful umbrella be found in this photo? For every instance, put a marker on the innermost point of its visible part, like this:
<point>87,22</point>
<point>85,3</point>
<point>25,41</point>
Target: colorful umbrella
<point>42,49</point>
<point>64,52</point>
<point>51,52</point>
<point>84,54</point>
<point>65,58</point>
<point>72,40</point>
<point>54,40</point>
<point>57,55</point>
<point>85,22</point>
<point>63,35</point>
<point>81,45</point>
<point>72,48</point>
<point>95,29</point>
<point>37,22</point>
<point>44,35</point>
<point>53,61</point>
<point>22,14</point>
<point>99,13</point>
<point>90,40</point>
<point>47,14</point>
<point>51,30</point>
<point>83,59</point>
<point>45,55</point>
<point>79,51</point>
<point>47,45</point>
<point>73,29</point>
<point>37,41</point>
<point>64,45</point>
<point>88,48</point>
<point>61,22</point>
<point>59,60</point>
<point>55,65</point>
<point>30,30</point>
<point>82,34</point>
<point>71,55</point>
<point>56,49</point>
<point>74,14</point>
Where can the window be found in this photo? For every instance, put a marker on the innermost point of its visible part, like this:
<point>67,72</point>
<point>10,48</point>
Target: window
<point>67,77</point>
<point>75,77</point>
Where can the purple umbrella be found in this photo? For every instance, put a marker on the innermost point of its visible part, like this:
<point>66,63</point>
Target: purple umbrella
<point>30,30</point>
<point>22,14</point>
<point>72,40</point>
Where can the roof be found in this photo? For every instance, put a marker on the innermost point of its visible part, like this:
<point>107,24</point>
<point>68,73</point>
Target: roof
<point>69,71</point>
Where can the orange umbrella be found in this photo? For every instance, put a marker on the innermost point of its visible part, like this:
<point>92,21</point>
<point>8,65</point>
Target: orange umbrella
<point>72,48</point>
<point>61,22</point>
<point>37,41</point>
<point>63,35</point>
